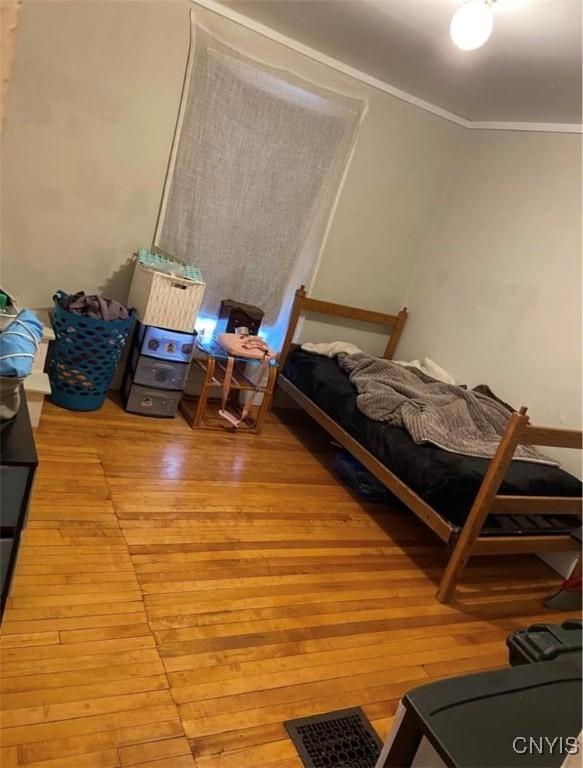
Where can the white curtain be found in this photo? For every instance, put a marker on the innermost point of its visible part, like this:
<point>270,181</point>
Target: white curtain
<point>257,161</point>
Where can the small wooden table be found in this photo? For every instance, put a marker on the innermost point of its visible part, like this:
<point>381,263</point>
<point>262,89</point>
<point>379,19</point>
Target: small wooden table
<point>212,359</point>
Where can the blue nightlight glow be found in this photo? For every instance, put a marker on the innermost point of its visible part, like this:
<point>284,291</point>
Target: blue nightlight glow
<point>206,326</point>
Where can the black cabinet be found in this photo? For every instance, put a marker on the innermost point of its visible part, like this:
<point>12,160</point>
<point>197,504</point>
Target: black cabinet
<point>18,462</point>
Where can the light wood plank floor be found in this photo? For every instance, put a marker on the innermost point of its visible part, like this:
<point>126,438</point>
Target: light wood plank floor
<point>180,594</point>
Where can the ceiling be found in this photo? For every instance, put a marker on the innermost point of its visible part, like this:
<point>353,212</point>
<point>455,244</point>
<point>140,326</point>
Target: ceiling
<point>529,70</point>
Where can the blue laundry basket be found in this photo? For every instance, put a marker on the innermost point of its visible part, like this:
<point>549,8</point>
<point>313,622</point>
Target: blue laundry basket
<point>84,357</point>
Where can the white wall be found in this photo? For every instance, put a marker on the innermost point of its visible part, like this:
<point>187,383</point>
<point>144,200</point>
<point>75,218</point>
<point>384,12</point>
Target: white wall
<point>496,297</point>
<point>396,184</point>
<point>91,112</point>
<point>94,99</point>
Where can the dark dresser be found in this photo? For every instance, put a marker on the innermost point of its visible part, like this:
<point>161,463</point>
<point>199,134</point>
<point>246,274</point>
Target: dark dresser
<point>18,462</point>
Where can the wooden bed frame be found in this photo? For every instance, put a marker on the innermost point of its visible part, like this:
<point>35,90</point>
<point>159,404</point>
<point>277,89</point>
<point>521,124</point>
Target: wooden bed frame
<point>468,541</point>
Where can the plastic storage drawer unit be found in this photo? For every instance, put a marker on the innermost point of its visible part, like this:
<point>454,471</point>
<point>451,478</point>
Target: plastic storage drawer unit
<point>162,374</point>
<point>148,401</point>
<point>546,642</point>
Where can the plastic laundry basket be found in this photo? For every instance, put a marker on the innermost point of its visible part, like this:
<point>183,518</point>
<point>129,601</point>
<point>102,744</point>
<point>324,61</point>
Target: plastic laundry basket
<point>84,357</point>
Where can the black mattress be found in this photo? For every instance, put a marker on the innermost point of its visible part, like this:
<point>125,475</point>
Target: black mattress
<point>447,481</point>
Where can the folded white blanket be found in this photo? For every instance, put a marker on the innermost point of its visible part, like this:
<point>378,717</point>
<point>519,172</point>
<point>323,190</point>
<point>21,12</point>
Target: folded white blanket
<point>331,348</point>
<point>429,368</point>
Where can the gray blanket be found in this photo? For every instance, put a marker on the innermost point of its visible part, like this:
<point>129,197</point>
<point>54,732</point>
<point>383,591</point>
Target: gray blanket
<point>453,418</point>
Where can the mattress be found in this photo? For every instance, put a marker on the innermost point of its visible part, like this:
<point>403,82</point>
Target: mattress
<point>447,481</point>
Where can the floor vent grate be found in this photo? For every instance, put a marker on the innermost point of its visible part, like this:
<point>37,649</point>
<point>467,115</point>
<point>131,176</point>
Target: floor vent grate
<point>342,739</point>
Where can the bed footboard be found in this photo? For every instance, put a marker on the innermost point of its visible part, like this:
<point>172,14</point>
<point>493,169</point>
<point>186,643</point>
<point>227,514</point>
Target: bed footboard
<point>469,542</point>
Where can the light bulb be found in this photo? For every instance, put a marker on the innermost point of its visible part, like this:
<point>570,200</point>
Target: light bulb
<point>472,24</point>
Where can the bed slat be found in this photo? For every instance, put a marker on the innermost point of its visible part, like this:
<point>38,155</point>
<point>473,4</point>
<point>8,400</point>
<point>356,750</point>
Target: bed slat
<point>536,505</point>
<point>556,438</point>
<point>354,313</point>
<point>514,545</point>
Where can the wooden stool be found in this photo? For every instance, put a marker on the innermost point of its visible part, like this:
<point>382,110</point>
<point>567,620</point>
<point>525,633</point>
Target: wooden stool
<point>212,360</point>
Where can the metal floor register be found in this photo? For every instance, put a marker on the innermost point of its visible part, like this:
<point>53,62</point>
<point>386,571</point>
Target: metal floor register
<point>342,739</point>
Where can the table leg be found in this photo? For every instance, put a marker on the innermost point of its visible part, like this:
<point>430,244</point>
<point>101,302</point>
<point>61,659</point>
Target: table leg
<point>204,393</point>
<point>267,396</point>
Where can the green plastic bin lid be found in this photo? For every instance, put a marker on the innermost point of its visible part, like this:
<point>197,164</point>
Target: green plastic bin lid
<point>162,262</point>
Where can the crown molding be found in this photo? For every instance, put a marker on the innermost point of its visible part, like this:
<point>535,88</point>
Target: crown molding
<point>381,85</point>
<point>542,127</point>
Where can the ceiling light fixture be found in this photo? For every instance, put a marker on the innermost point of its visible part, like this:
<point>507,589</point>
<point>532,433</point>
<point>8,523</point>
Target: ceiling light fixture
<point>472,24</point>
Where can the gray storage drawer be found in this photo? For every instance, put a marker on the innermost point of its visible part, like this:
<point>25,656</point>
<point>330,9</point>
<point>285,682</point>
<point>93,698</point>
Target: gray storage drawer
<point>12,490</point>
<point>162,374</point>
<point>5,552</point>
<point>152,402</point>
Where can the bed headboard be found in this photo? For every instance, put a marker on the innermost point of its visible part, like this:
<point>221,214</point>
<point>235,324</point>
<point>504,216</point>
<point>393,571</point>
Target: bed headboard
<point>303,303</point>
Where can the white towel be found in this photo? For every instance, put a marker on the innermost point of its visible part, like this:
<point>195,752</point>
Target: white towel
<point>430,368</point>
<point>331,348</point>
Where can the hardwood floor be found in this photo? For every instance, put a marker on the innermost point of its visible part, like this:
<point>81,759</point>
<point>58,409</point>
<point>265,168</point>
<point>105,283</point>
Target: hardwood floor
<point>180,594</point>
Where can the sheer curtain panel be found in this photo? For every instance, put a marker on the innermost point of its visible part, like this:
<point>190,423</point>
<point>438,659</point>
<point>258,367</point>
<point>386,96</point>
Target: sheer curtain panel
<point>258,158</point>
